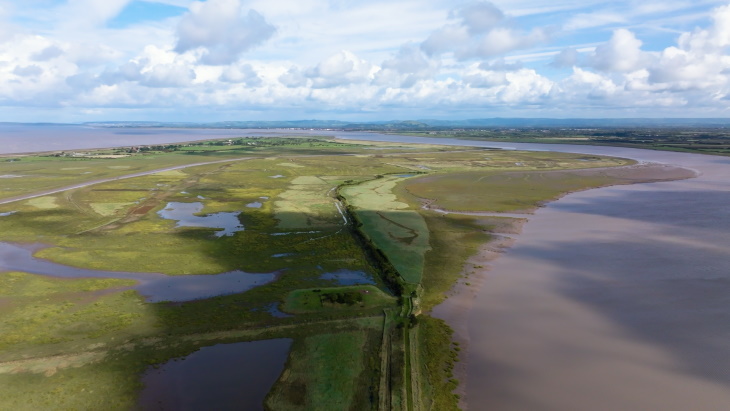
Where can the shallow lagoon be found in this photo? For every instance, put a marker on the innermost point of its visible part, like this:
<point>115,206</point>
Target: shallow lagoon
<point>185,215</point>
<point>348,277</point>
<point>155,287</point>
<point>221,377</point>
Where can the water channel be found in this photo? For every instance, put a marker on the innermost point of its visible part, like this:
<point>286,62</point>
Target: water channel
<point>154,287</point>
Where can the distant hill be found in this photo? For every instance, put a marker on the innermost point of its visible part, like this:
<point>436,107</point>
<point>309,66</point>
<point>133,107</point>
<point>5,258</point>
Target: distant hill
<point>397,125</point>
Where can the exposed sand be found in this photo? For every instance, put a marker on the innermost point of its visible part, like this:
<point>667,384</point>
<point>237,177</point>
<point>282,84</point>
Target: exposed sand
<point>526,345</point>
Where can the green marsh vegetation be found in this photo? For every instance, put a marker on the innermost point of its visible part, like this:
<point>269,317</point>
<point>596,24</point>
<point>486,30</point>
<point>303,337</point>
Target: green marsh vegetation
<point>307,207</point>
<point>703,140</point>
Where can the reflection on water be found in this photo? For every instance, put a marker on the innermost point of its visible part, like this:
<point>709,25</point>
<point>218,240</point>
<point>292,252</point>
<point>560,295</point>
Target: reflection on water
<point>221,377</point>
<point>348,277</point>
<point>154,286</point>
<point>273,309</point>
<point>184,214</point>
<point>255,204</point>
<point>280,255</point>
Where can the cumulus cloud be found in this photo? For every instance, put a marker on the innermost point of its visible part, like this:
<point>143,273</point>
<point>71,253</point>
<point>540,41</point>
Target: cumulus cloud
<point>566,58</point>
<point>28,71</point>
<point>293,78</point>
<point>700,61</point>
<point>486,79</point>
<point>244,74</point>
<point>713,39</point>
<point>168,75</point>
<point>479,17</point>
<point>222,30</point>
<point>47,53</point>
<point>500,65</point>
<point>406,67</point>
<point>482,31</point>
<point>340,69</point>
<point>197,61</point>
<point>622,53</point>
<point>489,74</point>
<point>501,40</point>
<point>445,39</point>
<point>525,86</point>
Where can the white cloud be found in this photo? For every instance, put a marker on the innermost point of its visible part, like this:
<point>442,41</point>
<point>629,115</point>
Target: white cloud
<point>482,32</point>
<point>168,75</point>
<point>525,87</point>
<point>486,79</point>
<point>340,69</point>
<point>596,19</point>
<point>222,30</point>
<point>445,39</point>
<point>566,58</point>
<point>622,53</point>
<point>293,78</point>
<point>713,39</point>
<point>86,14</point>
<point>406,67</point>
<point>28,71</point>
<point>244,74</point>
<point>48,53</point>
<point>502,40</point>
<point>479,17</point>
<point>223,56</point>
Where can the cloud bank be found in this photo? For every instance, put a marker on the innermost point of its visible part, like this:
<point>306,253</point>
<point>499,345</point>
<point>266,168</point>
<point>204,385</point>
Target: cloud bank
<point>240,59</point>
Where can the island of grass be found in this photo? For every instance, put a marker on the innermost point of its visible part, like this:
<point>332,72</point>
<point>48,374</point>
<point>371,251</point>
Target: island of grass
<point>315,300</point>
<point>303,208</point>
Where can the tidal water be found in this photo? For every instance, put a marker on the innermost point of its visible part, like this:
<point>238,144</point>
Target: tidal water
<point>221,377</point>
<point>26,138</point>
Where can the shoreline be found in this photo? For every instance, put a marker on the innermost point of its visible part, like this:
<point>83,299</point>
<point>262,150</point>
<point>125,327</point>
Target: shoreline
<point>455,310</point>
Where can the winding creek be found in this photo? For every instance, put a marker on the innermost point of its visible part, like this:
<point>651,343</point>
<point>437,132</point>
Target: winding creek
<point>154,287</point>
<point>613,298</point>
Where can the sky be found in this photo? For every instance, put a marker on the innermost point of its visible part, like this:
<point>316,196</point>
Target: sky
<point>222,60</point>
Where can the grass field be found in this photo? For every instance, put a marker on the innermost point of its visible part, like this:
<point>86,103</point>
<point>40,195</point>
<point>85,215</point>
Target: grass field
<point>316,299</point>
<point>499,191</point>
<point>327,372</point>
<point>399,232</point>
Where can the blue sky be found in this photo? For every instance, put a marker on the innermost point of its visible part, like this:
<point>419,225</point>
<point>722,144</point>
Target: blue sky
<point>181,60</point>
